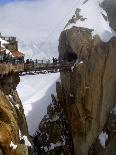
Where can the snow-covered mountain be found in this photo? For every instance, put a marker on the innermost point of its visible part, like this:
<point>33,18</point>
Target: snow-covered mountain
<point>38,50</point>
<point>89,14</point>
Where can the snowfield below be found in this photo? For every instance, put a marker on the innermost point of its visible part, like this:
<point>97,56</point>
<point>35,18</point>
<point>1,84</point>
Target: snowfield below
<point>35,93</point>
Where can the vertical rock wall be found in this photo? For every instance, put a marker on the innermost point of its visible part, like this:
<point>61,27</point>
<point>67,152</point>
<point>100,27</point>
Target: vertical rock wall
<point>14,137</point>
<point>89,91</point>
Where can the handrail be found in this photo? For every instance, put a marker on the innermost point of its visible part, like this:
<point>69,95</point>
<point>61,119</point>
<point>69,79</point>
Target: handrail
<point>6,68</point>
<point>30,67</point>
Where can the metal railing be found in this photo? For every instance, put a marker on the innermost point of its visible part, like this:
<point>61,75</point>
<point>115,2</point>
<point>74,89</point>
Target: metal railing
<point>6,68</point>
<point>45,66</point>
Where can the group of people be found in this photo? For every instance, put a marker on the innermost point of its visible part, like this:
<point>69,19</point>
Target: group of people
<point>30,61</point>
<point>55,60</point>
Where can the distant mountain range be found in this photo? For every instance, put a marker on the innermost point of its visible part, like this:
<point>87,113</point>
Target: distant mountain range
<point>36,50</point>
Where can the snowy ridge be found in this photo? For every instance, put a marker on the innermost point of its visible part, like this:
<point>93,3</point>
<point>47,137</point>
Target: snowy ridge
<point>90,15</point>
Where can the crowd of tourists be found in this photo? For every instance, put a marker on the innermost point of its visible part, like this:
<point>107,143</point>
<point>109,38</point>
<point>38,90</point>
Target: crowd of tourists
<point>30,61</point>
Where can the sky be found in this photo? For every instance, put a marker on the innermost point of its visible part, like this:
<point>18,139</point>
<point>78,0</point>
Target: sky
<point>35,20</point>
<point>7,1</point>
<point>31,19</point>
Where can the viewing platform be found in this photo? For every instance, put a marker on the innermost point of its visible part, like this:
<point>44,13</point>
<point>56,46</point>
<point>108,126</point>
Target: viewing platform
<point>29,68</point>
<point>11,60</point>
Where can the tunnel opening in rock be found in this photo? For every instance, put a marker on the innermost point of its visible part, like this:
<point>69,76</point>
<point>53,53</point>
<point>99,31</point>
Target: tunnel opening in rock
<point>68,55</point>
<point>71,57</point>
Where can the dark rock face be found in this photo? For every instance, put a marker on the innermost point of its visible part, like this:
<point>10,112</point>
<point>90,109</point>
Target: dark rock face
<point>53,136</point>
<point>88,93</point>
<point>109,138</point>
<point>110,8</point>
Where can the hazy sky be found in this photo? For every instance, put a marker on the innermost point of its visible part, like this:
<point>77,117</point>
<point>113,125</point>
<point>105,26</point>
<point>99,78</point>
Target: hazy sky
<point>34,19</point>
<point>7,1</point>
<point>37,24</point>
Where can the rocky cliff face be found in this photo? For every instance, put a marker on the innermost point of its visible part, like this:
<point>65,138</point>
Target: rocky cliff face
<point>53,136</point>
<point>14,137</point>
<point>110,8</point>
<point>89,91</point>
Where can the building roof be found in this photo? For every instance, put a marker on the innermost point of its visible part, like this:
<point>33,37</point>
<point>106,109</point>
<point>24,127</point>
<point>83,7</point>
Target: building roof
<point>17,54</point>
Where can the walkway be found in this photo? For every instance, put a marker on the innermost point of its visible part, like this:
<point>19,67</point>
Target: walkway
<point>65,66</point>
<point>23,69</point>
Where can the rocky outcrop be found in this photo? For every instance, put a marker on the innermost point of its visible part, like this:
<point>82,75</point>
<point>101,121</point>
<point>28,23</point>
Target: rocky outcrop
<point>14,137</point>
<point>110,7</point>
<point>88,93</point>
<point>53,136</point>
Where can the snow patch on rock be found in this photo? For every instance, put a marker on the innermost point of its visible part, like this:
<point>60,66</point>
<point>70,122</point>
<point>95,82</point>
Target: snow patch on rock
<point>103,137</point>
<point>12,145</point>
<point>27,142</point>
<point>17,106</point>
<point>114,110</point>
